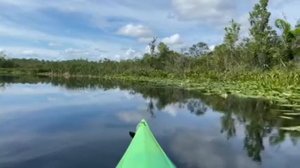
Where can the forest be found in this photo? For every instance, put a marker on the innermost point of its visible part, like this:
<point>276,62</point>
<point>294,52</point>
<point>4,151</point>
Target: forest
<point>266,63</point>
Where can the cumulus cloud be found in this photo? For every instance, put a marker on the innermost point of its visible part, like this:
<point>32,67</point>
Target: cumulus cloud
<point>57,47</point>
<point>148,50</point>
<point>212,47</point>
<point>35,35</point>
<point>31,52</point>
<point>143,33</point>
<point>279,3</point>
<point>28,52</point>
<point>126,54</point>
<point>131,54</point>
<point>172,40</point>
<point>145,39</point>
<point>207,150</point>
<point>22,23</point>
<point>53,44</point>
<point>94,54</point>
<point>130,117</point>
<point>15,32</point>
<point>288,9</point>
<point>135,30</point>
<point>212,11</point>
<point>173,110</point>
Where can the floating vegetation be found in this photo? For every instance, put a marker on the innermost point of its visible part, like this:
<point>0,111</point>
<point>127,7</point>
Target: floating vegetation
<point>295,128</point>
<point>291,105</point>
<point>282,110</point>
<point>285,117</point>
<point>292,114</point>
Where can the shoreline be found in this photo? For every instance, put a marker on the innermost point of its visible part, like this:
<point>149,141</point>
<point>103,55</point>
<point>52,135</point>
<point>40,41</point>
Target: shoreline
<point>285,95</point>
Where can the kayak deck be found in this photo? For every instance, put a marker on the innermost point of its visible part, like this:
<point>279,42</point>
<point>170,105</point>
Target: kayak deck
<point>144,151</point>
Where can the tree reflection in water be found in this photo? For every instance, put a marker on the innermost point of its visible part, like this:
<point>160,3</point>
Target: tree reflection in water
<point>257,117</point>
<point>150,108</point>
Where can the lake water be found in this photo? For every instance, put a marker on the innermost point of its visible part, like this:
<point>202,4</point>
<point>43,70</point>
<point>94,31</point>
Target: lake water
<point>56,123</point>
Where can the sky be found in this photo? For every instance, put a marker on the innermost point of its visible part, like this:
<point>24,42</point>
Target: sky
<point>120,29</point>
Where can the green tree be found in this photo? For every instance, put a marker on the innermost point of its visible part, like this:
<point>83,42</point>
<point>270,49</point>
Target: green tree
<point>298,24</point>
<point>152,45</point>
<point>296,32</point>
<point>168,60</point>
<point>2,55</point>
<point>262,35</point>
<point>3,60</point>
<point>231,38</point>
<point>198,49</point>
<point>288,38</point>
<point>163,49</point>
<point>232,34</point>
<point>220,57</point>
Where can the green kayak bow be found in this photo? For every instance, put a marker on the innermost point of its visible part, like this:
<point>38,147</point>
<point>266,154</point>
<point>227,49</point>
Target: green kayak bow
<point>144,151</point>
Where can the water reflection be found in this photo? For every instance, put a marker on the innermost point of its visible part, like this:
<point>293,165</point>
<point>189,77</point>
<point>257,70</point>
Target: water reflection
<point>2,86</point>
<point>244,123</point>
<point>259,121</point>
<point>208,151</point>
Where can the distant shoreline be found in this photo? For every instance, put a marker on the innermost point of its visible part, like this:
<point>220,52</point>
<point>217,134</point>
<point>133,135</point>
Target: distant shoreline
<point>277,86</point>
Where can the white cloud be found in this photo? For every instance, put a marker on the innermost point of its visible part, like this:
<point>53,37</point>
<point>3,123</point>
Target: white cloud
<point>53,44</point>
<point>207,150</point>
<point>172,109</point>
<point>90,53</point>
<point>145,39</point>
<point>28,52</point>
<point>195,20</point>
<point>278,3</point>
<point>94,54</point>
<point>60,47</point>
<point>128,54</point>
<point>245,25</point>
<point>9,31</point>
<point>287,8</point>
<point>131,54</point>
<point>31,52</point>
<point>212,47</point>
<point>147,49</point>
<point>131,117</point>
<point>204,11</point>
<point>135,30</point>
<point>172,40</point>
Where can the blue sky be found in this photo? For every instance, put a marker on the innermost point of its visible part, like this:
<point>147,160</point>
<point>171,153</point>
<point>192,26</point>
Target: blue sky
<point>119,29</point>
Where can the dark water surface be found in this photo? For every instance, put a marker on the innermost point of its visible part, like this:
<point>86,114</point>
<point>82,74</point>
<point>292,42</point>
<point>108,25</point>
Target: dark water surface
<point>56,123</point>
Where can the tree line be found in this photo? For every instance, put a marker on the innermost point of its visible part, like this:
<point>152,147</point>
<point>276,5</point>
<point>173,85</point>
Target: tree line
<point>265,49</point>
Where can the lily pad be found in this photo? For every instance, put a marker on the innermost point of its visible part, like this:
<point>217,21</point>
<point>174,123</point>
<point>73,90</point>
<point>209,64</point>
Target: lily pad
<point>291,105</point>
<point>292,114</point>
<point>288,118</point>
<point>282,110</point>
<point>295,128</point>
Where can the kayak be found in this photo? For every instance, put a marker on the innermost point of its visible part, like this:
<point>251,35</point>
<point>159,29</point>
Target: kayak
<point>144,151</point>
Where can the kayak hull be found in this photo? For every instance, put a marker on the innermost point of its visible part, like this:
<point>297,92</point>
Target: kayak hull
<point>144,151</point>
